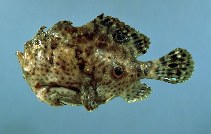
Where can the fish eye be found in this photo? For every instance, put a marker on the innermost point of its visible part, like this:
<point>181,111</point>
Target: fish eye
<point>120,37</point>
<point>118,72</point>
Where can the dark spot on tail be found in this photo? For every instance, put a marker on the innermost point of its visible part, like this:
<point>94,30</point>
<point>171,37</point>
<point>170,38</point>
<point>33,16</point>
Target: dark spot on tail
<point>184,55</point>
<point>174,57</point>
<point>181,59</point>
<point>178,73</point>
<point>173,65</point>
<point>168,72</point>
<point>184,68</point>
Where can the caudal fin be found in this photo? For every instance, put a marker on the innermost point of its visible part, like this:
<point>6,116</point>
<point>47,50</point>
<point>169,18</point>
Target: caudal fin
<point>175,67</point>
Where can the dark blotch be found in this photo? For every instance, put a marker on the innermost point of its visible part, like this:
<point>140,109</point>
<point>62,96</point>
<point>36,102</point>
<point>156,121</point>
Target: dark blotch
<point>181,59</point>
<point>81,39</point>
<point>73,30</point>
<point>103,37</point>
<point>96,29</point>
<point>101,16</point>
<point>120,37</point>
<point>169,73</point>
<point>139,45</point>
<point>81,66</point>
<point>162,59</point>
<point>146,71</point>
<point>63,67</point>
<point>38,86</point>
<point>143,51</point>
<point>88,51</point>
<point>173,65</point>
<point>174,57</point>
<point>178,73</point>
<point>53,45</point>
<point>184,55</point>
<point>101,64</point>
<point>184,68</point>
<point>103,70</point>
<point>134,36</point>
<point>172,53</point>
<point>68,28</point>
<point>89,36</point>
<point>102,45</point>
<point>51,59</point>
<point>47,70</point>
<point>107,22</point>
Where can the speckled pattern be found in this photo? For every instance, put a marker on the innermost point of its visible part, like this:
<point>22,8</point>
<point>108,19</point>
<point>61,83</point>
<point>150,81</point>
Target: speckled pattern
<point>91,64</point>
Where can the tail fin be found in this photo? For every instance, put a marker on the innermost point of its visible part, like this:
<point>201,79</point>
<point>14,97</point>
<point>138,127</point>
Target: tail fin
<point>175,67</point>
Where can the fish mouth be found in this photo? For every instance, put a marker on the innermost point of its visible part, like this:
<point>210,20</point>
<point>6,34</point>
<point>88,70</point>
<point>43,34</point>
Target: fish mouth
<point>55,85</point>
<point>58,95</point>
<point>70,95</point>
<point>71,88</point>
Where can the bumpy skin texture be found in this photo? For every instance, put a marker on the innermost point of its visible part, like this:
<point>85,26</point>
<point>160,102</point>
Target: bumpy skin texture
<point>91,64</point>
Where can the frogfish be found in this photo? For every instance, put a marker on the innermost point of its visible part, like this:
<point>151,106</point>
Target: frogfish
<point>96,62</point>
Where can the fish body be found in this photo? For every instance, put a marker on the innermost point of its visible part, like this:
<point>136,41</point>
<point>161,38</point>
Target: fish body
<point>92,64</point>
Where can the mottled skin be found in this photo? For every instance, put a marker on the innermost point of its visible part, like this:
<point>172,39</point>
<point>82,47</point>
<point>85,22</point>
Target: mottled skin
<point>91,64</point>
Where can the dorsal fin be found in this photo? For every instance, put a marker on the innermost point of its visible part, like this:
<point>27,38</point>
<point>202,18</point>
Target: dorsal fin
<point>137,43</point>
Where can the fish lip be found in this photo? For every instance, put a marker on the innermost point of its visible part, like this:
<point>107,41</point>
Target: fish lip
<point>77,90</point>
<point>71,88</point>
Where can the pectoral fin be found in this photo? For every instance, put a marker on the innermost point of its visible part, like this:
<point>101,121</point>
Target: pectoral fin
<point>88,97</point>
